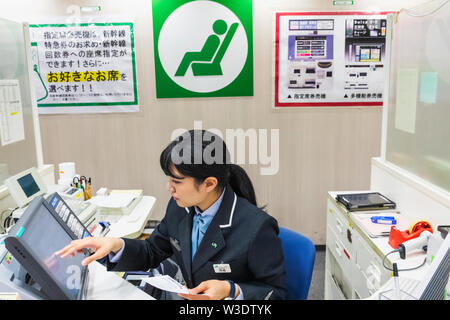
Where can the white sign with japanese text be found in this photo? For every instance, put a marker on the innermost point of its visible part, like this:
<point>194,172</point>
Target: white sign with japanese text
<point>11,114</point>
<point>84,67</point>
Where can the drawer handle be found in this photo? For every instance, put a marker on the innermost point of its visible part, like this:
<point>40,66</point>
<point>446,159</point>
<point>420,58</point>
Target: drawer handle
<point>339,226</point>
<point>338,249</point>
<point>373,277</point>
<point>346,253</point>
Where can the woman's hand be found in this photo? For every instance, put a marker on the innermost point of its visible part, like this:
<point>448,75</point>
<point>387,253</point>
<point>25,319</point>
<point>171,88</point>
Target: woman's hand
<point>101,246</point>
<point>210,290</point>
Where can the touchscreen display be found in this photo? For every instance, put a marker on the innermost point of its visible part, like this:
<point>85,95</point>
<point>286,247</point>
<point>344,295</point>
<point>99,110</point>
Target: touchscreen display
<point>45,236</point>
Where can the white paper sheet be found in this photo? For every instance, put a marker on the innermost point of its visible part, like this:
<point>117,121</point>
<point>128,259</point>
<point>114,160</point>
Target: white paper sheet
<point>11,114</point>
<point>113,201</point>
<point>406,100</point>
<point>166,283</point>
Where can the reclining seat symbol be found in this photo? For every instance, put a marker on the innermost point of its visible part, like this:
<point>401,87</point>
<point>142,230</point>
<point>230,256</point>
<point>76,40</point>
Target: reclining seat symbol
<point>203,65</point>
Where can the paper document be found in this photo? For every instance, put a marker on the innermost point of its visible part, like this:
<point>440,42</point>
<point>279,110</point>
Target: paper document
<point>166,283</point>
<point>11,114</point>
<point>113,201</point>
<point>374,230</point>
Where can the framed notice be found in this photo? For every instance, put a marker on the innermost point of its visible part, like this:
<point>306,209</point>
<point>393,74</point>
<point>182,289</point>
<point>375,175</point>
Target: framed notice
<point>330,59</point>
<point>84,67</point>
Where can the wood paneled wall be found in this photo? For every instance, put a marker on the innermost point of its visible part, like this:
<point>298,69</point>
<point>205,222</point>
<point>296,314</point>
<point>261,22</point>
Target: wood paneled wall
<point>320,149</point>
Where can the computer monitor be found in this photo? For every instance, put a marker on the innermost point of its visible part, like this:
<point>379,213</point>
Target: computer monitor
<point>33,241</point>
<point>432,286</point>
<point>25,186</point>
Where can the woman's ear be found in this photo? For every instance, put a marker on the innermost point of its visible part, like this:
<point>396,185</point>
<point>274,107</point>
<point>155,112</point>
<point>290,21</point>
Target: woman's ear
<point>210,184</point>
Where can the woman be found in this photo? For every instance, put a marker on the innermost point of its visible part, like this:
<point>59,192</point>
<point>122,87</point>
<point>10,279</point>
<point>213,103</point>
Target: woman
<point>225,246</point>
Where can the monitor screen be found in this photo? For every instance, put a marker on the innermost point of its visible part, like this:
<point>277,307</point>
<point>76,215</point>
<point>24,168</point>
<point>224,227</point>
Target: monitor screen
<point>45,236</point>
<point>28,185</point>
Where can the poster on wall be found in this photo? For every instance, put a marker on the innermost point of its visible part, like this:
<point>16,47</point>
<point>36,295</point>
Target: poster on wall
<point>11,114</point>
<point>203,48</point>
<point>330,59</point>
<point>84,67</point>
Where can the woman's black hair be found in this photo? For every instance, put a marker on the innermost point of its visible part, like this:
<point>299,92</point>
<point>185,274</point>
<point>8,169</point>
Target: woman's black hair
<point>201,154</point>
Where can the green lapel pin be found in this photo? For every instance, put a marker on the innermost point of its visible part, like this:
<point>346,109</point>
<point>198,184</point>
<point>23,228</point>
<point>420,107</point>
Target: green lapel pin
<point>214,244</point>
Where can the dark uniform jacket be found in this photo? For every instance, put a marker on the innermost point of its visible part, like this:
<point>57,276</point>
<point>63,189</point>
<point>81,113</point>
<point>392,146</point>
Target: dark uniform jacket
<point>240,235</point>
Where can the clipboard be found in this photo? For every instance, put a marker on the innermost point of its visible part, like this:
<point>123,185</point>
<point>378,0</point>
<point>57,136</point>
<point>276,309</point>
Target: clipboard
<point>365,201</point>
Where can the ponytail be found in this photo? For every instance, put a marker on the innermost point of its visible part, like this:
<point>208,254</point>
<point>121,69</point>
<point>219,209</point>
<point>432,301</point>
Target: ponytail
<point>241,183</point>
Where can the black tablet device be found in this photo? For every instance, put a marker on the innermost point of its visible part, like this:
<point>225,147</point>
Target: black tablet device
<point>33,241</point>
<point>365,201</point>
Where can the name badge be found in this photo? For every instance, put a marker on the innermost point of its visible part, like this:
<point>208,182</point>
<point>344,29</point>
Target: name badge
<point>222,268</point>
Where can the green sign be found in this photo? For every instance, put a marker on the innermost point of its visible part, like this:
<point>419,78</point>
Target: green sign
<point>203,48</point>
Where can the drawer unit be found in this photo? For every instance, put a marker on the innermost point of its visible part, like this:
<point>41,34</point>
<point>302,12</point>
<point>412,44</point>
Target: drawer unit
<point>332,289</point>
<point>339,250</point>
<point>342,228</point>
<point>337,285</point>
<point>353,269</point>
<point>370,265</point>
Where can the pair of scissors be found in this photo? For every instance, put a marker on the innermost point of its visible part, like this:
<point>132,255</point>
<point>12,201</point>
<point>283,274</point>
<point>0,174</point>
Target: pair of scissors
<point>76,181</point>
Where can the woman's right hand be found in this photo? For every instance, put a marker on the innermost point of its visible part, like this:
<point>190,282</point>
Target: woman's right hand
<point>102,247</point>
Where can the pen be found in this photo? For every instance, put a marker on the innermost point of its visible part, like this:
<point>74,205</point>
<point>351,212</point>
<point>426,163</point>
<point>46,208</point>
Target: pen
<point>396,284</point>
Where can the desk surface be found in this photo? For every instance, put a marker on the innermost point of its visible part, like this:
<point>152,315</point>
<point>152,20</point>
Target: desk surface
<point>104,285</point>
<point>382,247</point>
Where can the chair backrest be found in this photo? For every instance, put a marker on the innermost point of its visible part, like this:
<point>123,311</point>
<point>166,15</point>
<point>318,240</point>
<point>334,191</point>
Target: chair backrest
<point>299,256</point>
<point>225,43</point>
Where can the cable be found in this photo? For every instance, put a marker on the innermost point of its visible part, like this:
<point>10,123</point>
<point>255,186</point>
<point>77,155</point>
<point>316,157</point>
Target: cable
<point>407,269</point>
<point>8,221</point>
<point>408,11</point>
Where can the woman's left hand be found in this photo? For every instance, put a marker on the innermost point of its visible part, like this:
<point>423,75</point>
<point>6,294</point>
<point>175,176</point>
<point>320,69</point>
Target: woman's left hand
<point>209,290</point>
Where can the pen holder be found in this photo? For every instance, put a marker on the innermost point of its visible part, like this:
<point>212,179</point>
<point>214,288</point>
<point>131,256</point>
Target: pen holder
<point>87,193</point>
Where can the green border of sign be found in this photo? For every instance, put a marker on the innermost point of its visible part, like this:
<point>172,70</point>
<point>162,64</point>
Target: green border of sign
<point>90,104</point>
<point>241,86</point>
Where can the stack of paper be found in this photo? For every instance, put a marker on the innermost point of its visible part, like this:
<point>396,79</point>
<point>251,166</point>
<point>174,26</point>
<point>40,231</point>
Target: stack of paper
<point>120,202</point>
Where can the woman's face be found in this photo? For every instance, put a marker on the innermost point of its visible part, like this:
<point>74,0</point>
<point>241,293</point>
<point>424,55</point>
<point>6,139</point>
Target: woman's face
<point>184,190</point>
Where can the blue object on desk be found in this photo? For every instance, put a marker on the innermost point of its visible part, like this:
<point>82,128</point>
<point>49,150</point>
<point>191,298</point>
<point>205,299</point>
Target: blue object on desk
<point>104,224</point>
<point>383,219</point>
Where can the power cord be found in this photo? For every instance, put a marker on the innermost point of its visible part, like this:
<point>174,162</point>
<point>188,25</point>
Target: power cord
<point>7,222</point>
<point>398,270</point>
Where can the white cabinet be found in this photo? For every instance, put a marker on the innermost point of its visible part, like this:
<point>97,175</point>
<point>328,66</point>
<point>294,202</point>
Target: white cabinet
<point>354,264</point>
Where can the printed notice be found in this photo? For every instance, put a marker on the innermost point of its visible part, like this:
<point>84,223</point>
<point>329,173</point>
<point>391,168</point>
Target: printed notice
<point>330,60</point>
<point>85,67</point>
<point>11,115</point>
<point>406,100</point>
